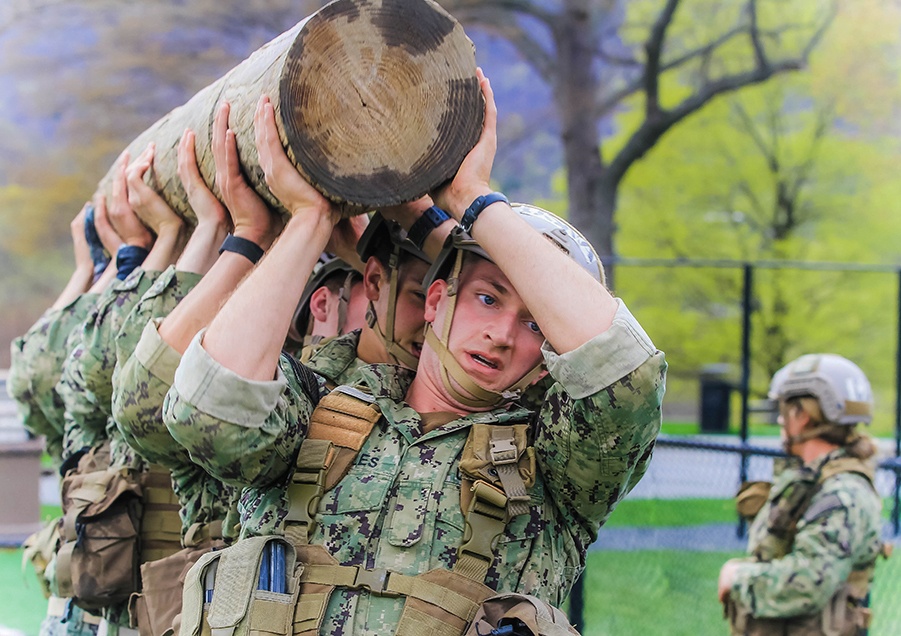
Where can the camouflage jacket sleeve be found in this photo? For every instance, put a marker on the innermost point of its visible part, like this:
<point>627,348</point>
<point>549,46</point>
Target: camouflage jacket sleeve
<point>839,531</point>
<point>140,386</point>
<point>141,383</point>
<point>599,421</point>
<point>36,365</point>
<point>86,382</point>
<point>145,367</point>
<point>243,432</point>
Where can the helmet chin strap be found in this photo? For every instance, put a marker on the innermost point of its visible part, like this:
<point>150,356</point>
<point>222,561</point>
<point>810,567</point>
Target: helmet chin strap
<point>805,435</point>
<point>478,396</point>
<point>396,353</point>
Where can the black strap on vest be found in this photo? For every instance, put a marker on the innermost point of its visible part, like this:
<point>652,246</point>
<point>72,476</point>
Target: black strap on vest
<point>306,377</point>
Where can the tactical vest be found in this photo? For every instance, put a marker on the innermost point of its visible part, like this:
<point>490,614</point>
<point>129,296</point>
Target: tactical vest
<point>845,613</point>
<point>498,465</point>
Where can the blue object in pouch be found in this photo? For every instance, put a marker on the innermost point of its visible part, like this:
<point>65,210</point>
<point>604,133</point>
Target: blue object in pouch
<point>266,569</point>
<point>278,568</point>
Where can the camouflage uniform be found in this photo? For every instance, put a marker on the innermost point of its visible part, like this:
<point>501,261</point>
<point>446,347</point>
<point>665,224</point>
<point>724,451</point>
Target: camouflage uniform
<point>141,386</point>
<point>86,386</point>
<point>37,360</point>
<point>35,368</point>
<point>838,532</point>
<point>86,383</point>
<point>399,505</point>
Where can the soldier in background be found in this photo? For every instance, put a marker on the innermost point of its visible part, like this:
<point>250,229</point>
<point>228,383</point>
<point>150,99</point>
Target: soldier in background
<point>815,541</point>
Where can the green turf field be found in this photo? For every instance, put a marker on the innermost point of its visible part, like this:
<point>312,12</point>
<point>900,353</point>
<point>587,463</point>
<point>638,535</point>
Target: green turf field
<point>667,592</point>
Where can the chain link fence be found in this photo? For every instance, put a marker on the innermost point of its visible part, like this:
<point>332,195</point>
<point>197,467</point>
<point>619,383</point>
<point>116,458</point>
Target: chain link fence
<point>655,564</point>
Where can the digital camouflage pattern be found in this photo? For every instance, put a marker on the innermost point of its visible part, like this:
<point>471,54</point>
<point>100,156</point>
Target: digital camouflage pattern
<point>839,531</point>
<point>399,505</point>
<point>36,364</point>
<point>143,375</point>
<point>86,383</point>
<point>335,361</point>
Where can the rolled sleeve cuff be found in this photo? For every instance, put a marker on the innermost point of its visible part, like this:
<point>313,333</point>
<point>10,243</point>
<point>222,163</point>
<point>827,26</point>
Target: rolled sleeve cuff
<point>604,359</point>
<point>155,354</point>
<point>222,393</point>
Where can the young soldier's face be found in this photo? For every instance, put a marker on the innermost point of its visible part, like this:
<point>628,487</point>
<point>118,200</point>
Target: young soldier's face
<point>409,320</point>
<point>493,335</point>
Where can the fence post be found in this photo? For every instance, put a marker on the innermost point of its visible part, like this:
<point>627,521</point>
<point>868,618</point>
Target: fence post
<point>896,512</point>
<point>747,287</point>
<point>577,603</point>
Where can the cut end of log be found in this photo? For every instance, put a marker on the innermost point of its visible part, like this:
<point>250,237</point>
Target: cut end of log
<point>379,100</point>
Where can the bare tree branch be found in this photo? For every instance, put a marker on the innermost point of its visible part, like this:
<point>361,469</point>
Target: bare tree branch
<point>654,48</point>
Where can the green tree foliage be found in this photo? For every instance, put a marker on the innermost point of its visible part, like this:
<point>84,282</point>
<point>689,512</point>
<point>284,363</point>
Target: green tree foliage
<point>798,169</point>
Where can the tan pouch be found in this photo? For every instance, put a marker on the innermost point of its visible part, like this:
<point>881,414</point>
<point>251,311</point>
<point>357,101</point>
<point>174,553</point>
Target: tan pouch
<point>40,549</point>
<point>154,610</point>
<point>521,612</point>
<point>98,563</point>
<point>222,595</point>
<point>751,498</point>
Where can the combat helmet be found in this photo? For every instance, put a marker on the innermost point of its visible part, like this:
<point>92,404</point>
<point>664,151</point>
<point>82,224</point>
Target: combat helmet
<point>387,241</point>
<point>842,389</point>
<point>328,265</point>
<point>447,266</point>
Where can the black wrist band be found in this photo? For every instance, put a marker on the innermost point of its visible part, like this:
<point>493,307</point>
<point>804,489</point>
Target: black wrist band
<point>242,246</point>
<point>473,211</point>
<point>430,219</point>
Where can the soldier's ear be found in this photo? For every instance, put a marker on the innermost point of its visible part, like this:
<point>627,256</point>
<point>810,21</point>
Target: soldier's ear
<point>319,303</point>
<point>436,291</point>
<point>373,273</point>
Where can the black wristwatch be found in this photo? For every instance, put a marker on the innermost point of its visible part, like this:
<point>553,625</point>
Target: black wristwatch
<point>475,209</point>
<point>430,219</point>
<point>242,246</point>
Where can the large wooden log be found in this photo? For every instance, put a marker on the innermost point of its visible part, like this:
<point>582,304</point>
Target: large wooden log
<point>376,102</point>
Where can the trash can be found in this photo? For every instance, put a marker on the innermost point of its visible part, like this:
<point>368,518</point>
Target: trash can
<point>20,474</point>
<point>716,393</point>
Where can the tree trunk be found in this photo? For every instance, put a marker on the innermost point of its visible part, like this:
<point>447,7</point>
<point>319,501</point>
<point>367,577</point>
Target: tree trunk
<point>592,200</point>
<point>377,103</point>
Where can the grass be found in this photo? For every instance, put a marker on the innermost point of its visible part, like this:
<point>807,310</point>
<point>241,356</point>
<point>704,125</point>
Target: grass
<point>638,593</point>
<point>672,512</point>
<point>626,593</point>
<point>23,605</point>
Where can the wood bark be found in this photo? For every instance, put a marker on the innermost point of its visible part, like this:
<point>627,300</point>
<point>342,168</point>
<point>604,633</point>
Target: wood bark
<point>376,102</point>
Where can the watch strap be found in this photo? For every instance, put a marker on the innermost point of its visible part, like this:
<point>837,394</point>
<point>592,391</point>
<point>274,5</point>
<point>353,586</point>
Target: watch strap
<point>430,219</point>
<point>242,246</point>
<point>475,209</point>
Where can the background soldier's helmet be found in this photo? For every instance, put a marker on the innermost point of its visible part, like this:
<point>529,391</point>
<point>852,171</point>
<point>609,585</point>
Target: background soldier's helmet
<point>548,224</point>
<point>388,242</point>
<point>839,385</point>
<point>383,239</point>
<point>328,266</point>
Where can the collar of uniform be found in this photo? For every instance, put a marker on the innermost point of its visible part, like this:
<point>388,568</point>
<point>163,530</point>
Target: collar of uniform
<point>817,464</point>
<point>336,360</point>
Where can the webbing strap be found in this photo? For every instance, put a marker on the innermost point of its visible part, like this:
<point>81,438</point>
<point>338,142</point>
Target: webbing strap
<point>64,583</point>
<point>199,532</point>
<point>485,522</point>
<point>306,489</point>
<point>381,582</point>
<point>505,457</point>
